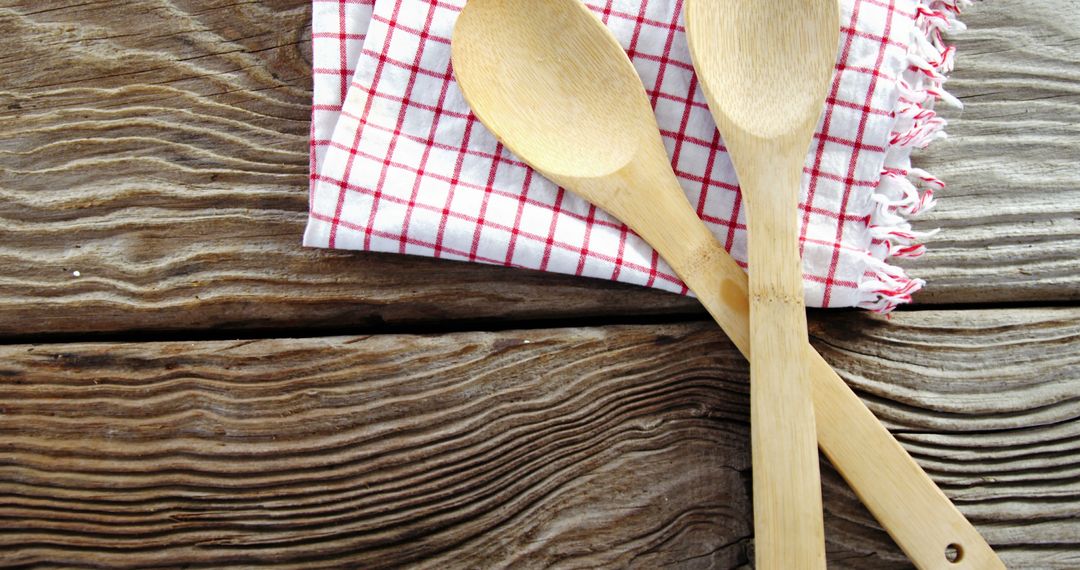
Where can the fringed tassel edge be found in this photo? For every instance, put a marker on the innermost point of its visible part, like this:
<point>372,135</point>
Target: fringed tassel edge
<point>903,191</point>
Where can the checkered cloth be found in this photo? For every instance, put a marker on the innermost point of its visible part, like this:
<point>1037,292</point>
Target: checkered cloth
<point>399,164</point>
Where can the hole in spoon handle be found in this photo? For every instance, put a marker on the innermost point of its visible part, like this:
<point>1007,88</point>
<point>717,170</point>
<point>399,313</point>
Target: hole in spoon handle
<point>954,553</point>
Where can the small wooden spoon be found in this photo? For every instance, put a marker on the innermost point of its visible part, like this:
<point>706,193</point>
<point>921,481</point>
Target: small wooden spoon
<point>551,82</point>
<point>765,70</point>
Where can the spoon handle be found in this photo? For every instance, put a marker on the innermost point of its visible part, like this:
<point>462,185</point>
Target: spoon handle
<point>903,498</point>
<point>788,527</point>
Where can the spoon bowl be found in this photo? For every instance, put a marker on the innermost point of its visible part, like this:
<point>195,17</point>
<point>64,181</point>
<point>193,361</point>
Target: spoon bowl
<point>772,87</point>
<point>571,128</point>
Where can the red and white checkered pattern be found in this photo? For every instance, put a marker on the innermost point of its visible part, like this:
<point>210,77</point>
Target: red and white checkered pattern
<point>338,29</point>
<point>403,166</point>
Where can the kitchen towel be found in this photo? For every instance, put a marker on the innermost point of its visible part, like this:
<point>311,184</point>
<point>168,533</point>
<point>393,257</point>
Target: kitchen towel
<point>399,164</point>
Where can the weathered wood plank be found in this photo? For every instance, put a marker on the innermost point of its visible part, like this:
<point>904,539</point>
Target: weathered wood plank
<point>615,446</point>
<point>1010,217</point>
<point>159,149</point>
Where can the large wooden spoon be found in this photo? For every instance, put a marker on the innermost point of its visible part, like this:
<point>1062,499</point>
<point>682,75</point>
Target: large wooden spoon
<point>551,82</point>
<point>765,70</point>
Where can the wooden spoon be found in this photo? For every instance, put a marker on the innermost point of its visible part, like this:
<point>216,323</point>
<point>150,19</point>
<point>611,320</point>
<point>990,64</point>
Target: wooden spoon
<point>551,82</point>
<point>765,69</point>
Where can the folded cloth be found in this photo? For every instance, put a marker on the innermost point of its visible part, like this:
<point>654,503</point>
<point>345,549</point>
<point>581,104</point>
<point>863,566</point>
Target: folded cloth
<point>400,164</point>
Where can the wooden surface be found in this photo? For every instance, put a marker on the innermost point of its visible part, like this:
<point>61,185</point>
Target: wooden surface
<point>159,149</point>
<point>599,446</point>
<point>163,154</point>
<point>1010,217</point>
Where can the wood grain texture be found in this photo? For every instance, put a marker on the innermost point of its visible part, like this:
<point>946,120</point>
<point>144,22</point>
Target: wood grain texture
<point>616,446</point>
<point>1010,217</point>
<point>160,149</point>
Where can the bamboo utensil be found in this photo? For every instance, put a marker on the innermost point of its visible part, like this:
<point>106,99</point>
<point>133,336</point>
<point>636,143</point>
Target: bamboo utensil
<point>765,69</point>
<point>553,84</point>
